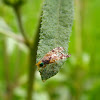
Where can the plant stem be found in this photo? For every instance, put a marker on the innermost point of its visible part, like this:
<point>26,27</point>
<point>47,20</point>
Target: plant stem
<point>32,69</point>
<point>18,15</point>
<point>31,75</point>
<point>78,41</point>
<point>32,66</point>
<point>78,31</point>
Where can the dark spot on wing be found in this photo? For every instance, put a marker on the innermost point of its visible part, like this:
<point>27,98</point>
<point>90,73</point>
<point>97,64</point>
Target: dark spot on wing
<point>46,61</point>
<point>53,50</point>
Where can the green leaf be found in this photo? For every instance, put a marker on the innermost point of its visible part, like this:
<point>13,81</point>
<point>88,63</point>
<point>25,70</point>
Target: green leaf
<point>55,31</point>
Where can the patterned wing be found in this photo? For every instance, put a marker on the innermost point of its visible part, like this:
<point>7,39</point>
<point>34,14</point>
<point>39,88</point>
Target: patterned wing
<point>54,55</point>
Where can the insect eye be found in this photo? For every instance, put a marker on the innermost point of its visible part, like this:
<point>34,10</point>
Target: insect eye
<point>41,64</point>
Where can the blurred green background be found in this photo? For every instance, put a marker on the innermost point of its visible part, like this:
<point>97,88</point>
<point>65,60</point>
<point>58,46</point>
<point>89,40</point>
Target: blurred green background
<point>79,77</point>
